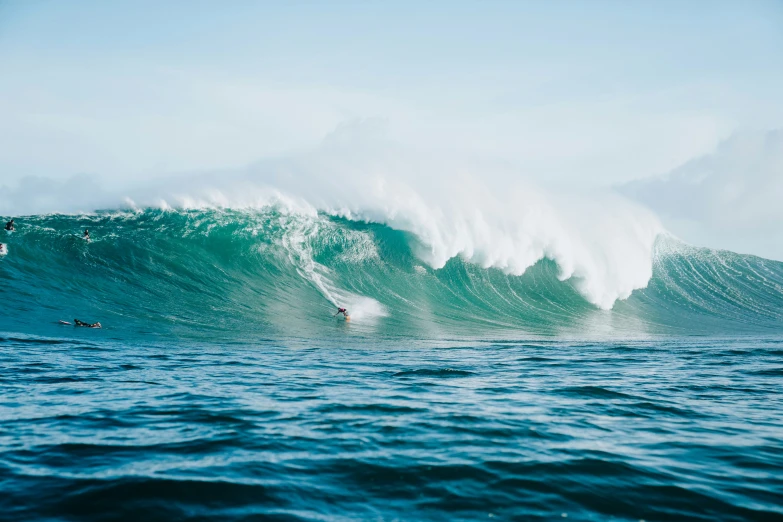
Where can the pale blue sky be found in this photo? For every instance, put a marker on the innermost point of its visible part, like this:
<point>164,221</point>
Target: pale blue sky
<point>577,92</point>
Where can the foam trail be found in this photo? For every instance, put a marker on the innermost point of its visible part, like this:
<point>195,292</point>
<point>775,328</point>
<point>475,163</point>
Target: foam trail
<point>299,232</point>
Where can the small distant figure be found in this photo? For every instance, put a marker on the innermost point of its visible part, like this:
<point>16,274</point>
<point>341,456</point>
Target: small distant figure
<point>342,311</point>
<point>10,225</point>
<point>77,322</point>
<point>86,234</point>
<point>3,249</point>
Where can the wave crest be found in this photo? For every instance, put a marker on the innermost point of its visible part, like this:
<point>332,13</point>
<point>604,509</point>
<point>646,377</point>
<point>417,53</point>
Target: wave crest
<point>273,272</point>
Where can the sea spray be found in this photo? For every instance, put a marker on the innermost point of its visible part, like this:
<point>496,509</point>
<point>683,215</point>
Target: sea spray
<point>481,212</point>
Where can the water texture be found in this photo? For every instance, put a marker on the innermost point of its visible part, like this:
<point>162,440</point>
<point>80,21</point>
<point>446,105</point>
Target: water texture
<point>508,430</point>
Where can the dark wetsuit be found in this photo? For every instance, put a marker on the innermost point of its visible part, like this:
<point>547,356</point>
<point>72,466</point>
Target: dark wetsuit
<point>77,322</point>
<point>9,225</point>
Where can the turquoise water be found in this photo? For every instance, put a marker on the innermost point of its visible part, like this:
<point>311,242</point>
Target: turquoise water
<point>240,275</point>
<point>222,388</point>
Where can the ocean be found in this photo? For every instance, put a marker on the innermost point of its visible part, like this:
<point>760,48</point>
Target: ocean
<point>571,385</point>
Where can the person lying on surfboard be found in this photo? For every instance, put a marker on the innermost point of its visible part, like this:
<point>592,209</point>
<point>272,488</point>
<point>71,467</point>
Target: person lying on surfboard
<point>342,311</point>
<point>77,322</point>
<point>10,225</point>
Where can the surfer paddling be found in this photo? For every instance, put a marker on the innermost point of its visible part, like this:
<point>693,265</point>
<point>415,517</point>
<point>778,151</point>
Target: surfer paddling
<point>77,322</point>
<point>86,234</point>
<point>10,225</point>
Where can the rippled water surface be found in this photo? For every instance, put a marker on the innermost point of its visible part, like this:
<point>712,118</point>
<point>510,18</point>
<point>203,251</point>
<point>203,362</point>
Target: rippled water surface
<point>96,429</point>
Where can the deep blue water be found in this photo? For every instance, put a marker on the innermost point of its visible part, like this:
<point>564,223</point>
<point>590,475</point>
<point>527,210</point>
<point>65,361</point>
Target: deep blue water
<point>93,427</point>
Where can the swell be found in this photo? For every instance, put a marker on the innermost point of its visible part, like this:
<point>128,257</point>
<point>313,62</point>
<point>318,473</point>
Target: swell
<point>270,272</point>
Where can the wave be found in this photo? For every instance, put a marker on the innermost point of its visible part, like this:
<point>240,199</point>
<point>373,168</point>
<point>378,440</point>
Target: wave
<point>485,214</point>
<point>281,271</point>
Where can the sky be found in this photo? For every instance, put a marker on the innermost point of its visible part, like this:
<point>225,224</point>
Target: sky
<point>728,199</point>
<point>570,93</point>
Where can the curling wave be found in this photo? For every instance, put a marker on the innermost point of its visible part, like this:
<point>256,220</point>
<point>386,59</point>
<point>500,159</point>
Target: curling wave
<point>280,271</point>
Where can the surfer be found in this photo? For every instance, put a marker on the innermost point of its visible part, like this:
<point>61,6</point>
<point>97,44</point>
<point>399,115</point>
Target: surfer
<point>77,322</point>
<point>86,234</point>
<point>342,311</point>
<point>10,225</point>
<point>3,249</point>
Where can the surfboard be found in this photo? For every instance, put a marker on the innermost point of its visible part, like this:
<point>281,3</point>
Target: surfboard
<point>96,325</point>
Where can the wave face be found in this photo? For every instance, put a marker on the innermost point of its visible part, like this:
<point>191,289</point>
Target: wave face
<point>272,272</point>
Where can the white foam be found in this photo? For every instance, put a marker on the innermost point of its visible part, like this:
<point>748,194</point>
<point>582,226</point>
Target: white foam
<point>299,231</point>
<point>487,215</point>
<point>484,213</point>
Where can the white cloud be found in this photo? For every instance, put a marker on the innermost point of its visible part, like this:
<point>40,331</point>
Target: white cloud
<point>731,198</point>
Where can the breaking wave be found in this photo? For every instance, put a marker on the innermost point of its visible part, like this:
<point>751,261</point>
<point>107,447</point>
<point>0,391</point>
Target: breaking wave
<point>282,268</point>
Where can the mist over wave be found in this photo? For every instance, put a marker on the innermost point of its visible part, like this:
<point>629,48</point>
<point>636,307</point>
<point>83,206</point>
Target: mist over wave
<point>453,207</point>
